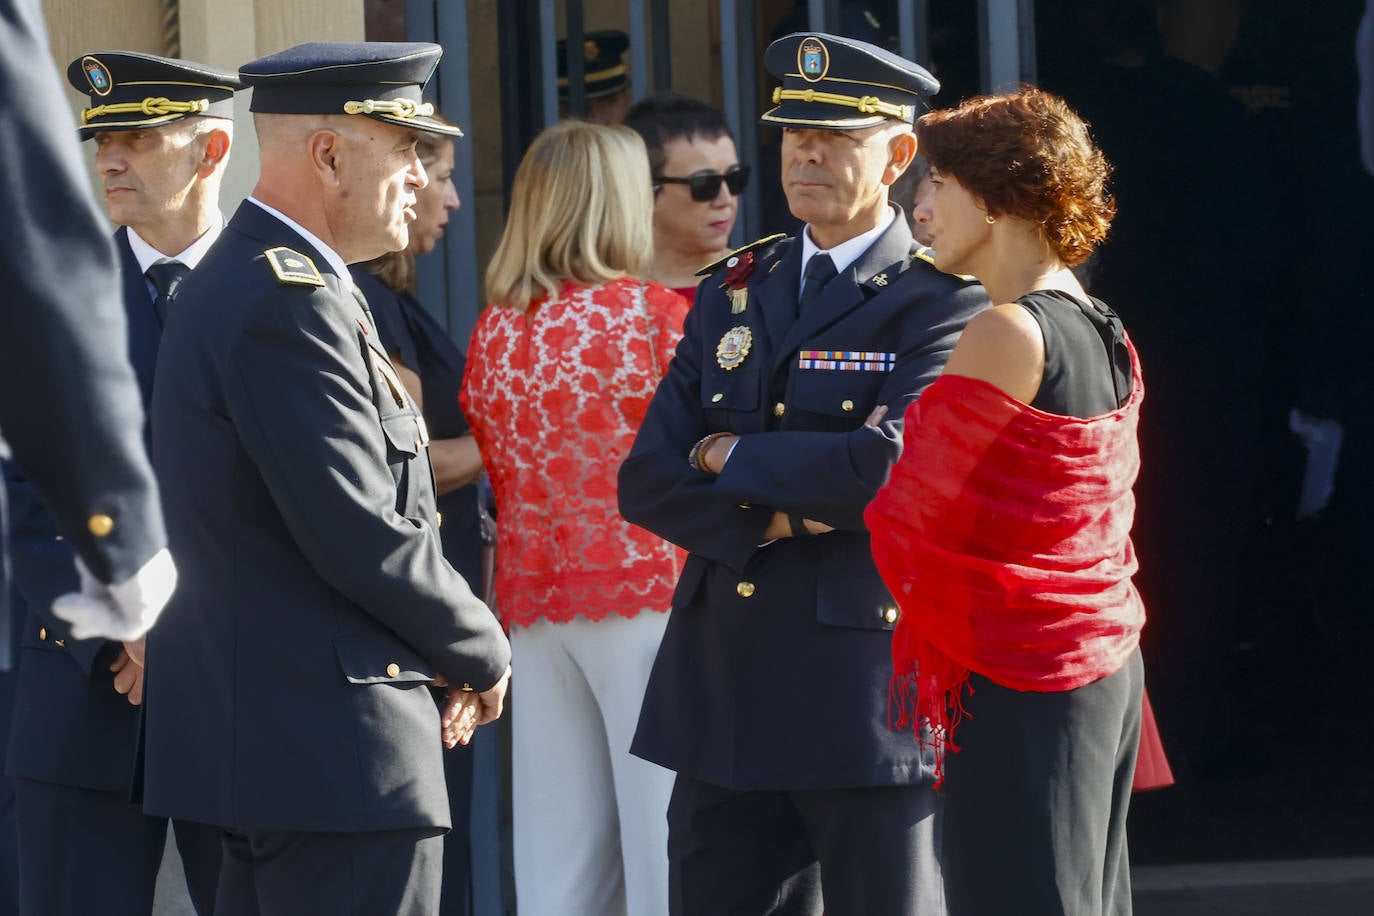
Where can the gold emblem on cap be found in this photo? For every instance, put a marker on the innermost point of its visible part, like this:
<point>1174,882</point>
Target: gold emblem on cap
<point>813,59</point>
<point>734,347</point>
<point>590,50</point>
<point>100,525</point>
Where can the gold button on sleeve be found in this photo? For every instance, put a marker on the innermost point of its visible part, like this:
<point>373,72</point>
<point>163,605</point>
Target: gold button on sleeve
<point>846,404</point>
<point>890,615</point>
<point>100,525</point>
<point>744,589</point>
<point>393,670</point>
<point>43,633</point>
<point>779,409</point>
<point>717,397</point>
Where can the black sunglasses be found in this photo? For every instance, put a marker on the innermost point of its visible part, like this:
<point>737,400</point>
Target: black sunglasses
<point>706,187</point>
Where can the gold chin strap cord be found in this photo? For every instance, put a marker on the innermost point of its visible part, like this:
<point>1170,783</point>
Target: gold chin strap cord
<point>156,107</point>
<point>400,108</point>
<point>867,104</point>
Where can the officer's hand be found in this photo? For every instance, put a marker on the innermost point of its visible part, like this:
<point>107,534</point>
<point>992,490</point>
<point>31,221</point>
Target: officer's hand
<point>128,672</point>
<point>493,701</point>
<point>459,718</point>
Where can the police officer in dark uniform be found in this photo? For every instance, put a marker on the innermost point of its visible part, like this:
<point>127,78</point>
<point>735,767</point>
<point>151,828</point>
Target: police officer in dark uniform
<point>162,128</point>
<point>289,678</point>
<point>69,409</point>
<point>69,403</point>
<point>776,424</point>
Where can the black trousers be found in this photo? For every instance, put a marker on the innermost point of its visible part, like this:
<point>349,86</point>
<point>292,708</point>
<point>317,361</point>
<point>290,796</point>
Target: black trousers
<point>845,852</point>
<point>294,873</point>
<point>1035,802</point>
<point>83,851</point>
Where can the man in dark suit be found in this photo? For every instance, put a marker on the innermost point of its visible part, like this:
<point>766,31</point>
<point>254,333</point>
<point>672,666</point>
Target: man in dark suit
<point>776,424</point>
<point>162,130</point>
<point>289,679</point>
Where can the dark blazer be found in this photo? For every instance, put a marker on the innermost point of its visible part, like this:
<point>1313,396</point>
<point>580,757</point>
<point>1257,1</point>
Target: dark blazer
<point>774,670</point>
<point>70,408</point>
<point>70,726</point>
<point>287,678</point>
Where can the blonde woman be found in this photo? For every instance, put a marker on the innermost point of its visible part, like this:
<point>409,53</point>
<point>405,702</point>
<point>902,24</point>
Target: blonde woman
<point>560,371</point>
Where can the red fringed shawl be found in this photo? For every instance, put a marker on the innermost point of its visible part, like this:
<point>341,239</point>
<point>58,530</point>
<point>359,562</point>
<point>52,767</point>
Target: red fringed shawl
<point>1004,535</point>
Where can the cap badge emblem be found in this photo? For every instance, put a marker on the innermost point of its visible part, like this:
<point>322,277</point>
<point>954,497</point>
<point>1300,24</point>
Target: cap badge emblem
<point>813,59</point>
<point>591,50</point>
<point>734,347</point>
<point>97,76</point>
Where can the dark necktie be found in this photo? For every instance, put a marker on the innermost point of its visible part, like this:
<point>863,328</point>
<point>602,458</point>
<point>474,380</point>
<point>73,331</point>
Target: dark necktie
<point>166,278</point>
<point>820,270</point>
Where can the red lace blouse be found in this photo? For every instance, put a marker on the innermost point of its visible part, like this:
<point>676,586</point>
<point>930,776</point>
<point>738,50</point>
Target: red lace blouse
<point>555,396</point>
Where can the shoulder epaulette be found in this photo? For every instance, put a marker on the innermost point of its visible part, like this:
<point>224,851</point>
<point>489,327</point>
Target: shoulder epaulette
<point>928,255</point>
<point>293,268</point>
<point>718,264</point>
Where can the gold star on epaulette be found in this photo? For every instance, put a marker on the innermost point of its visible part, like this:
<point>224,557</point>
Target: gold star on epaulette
<point>293,268</point>
<point>718,264</point>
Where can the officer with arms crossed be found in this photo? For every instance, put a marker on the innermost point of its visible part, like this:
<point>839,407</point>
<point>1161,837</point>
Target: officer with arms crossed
<point>162,131</point>
<point>776,424</point>
<point>289,678</point>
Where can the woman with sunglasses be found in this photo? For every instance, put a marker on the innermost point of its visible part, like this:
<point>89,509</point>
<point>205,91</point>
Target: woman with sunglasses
<point>697,180</point>
<point>1004,528</point>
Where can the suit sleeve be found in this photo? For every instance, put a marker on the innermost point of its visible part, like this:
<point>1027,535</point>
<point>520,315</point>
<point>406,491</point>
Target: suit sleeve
<point>71,410</point>
<point>299,389</point>
<point>660,492</point>
<point>831,476</point>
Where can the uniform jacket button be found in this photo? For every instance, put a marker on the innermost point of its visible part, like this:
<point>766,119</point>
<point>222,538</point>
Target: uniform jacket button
<point>890,614</point>
<point>43,633</point>
<point>393,670</point>
<point>744,589</point>
<point>717,397</point>
<point>100,525</point>
<point>779,409</point>
<point>846,404</point>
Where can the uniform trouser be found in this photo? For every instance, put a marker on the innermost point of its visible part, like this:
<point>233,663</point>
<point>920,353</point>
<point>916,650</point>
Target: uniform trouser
<point>590,831</point>
<point>1035,801</point>
<point>298,873</point>
<point>83,851</point>
<point>869,851</point>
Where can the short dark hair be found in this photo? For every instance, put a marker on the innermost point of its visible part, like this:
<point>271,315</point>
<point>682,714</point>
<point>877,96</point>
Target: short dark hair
<point>664,117</point>
<point>1029,155</point>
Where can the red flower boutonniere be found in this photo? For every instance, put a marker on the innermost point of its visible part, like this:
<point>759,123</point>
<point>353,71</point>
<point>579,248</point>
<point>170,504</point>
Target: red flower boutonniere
<point>737,271</point>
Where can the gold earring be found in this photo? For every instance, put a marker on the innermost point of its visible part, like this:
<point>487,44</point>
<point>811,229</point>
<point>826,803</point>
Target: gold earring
<point>989,218</point>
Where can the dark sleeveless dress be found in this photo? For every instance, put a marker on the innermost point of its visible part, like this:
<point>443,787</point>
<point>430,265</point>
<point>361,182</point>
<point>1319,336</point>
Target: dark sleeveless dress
<point>1036,798</point>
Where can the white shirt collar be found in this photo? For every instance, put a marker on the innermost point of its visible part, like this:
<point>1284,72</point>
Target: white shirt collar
<point>847,252</point>
<point>146,255</point>
<point>334,259</point>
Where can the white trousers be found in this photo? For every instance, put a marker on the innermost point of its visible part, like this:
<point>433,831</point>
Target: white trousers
<point>591,830</point>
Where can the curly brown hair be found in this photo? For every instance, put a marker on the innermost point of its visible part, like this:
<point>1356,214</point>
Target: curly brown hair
<point>1027,155</point>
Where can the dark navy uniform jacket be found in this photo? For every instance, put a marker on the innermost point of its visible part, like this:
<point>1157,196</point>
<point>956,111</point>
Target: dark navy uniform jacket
<point>69,408</point>
<point>287,678</point>
<point>773,672</point>
<point>70,726</point>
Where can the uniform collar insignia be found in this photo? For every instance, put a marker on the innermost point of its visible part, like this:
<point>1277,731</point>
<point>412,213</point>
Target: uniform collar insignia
<point>293,268</point>
<point>718,264</point>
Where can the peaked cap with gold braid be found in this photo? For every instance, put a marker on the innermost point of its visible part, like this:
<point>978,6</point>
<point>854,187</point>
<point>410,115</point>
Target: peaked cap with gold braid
<point>837,83</point>
<point>130,90</point>
<point>381,80</point>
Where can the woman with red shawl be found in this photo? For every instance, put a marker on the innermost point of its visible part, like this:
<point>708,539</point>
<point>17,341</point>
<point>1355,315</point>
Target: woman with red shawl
<point>1004,532</point>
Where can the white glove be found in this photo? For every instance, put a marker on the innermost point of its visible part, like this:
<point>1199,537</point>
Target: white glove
<point>123,611</point>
